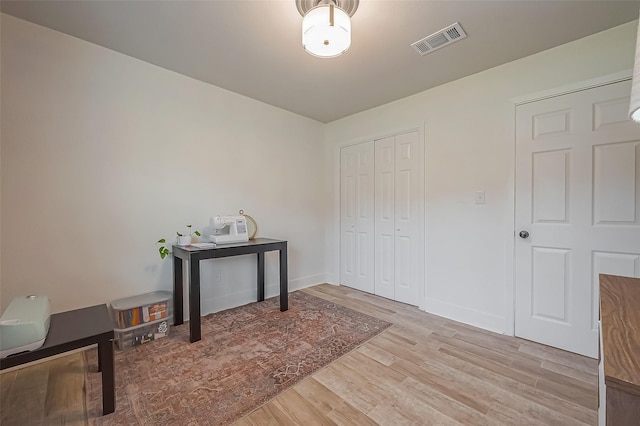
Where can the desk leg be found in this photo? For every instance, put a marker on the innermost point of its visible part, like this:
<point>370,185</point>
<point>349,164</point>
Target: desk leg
<point>106,365</point>
<point>260,276</point>
<point>284,279</point>
<point>194,301</point>
<point>178,292</point>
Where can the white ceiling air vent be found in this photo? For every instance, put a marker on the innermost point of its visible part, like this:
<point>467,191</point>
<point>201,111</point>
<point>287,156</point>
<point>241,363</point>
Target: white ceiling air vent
<point>439,39</point>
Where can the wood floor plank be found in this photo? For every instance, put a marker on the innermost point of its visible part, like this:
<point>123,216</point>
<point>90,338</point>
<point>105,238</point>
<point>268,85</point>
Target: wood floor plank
<point>569,393</point>
<point>381,356</point>
<point>273,410</point>
<point>330,404</point>
<point>350,386</point>
<point>388,414</point>
<point>536,369</point>
<point>489,354</point>
<point>6,382</point>
<point>259,417</point>
<point>490,365</point>
<point>301,411</point>
<point>412,333</point>
<point>431,396</point>
<point>528,411</point>
<point>388,343</point>
<point>64,405</point>
<point>371,369</point>
<point>346,415</point>
<point>318,395</point>
<point>559,356</point>
<point>429,377</point>
<point>494,342</point>
<point>589,377</point>
<point>405,408</point>
<point>505,415</point>
<point>25,405</point>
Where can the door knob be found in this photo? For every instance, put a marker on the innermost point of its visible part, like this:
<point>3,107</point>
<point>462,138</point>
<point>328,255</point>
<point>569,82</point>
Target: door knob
<point>523,234</point>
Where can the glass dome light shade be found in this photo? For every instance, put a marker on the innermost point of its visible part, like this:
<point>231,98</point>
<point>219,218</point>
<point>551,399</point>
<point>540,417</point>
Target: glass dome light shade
<point>322,39</point>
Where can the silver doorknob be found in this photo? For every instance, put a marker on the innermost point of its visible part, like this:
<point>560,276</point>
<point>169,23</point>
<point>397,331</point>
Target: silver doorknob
<point>523,234</point>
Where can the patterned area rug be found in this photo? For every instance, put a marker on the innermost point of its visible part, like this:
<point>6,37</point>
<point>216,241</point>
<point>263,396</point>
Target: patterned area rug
<point>247,356</point>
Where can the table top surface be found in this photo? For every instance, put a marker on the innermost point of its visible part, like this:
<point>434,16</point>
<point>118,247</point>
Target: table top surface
<point>78,324</point>
<point>620,316</point>
<point>69,330</point>
<point>252,242</point>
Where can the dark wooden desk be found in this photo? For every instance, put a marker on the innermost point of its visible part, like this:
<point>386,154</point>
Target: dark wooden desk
<point>194,255</point>
<point>73,330</point>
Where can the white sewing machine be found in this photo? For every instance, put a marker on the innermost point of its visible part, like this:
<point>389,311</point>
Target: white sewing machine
<point>229,229</point>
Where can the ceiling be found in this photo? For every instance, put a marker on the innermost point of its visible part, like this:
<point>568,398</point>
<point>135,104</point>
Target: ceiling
<point>254,47</point>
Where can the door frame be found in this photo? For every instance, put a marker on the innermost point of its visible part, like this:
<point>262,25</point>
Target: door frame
<point>510,273</point>
<point>335,252</point>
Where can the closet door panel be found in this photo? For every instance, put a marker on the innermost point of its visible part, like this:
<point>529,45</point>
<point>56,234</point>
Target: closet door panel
<point>409,218</point>
<point>385,217</point>
<point>357,216</point>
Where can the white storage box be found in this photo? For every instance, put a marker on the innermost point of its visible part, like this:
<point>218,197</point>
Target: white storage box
<point>135,336</point>
<point>141,319</point>
<point>138,310</point>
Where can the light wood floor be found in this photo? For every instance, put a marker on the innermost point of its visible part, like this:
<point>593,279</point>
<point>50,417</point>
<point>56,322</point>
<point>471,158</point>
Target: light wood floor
<point>48,393</point>
<point>423,370</point>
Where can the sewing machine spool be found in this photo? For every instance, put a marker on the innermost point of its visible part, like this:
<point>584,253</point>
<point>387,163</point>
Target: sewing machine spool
<point>252,226</point>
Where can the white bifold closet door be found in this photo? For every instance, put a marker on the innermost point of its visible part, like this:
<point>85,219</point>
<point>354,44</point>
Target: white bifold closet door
<point>399,218</point>
<point>382,217</point>
<point>356,216</point>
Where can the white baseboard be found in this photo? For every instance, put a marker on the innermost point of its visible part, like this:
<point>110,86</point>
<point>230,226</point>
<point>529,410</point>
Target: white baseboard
<point>465,315</point>
<point>304,282</point>
<point>331,279</point>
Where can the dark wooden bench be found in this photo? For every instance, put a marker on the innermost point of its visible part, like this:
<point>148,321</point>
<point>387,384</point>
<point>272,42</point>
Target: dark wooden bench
<point>73,330</point>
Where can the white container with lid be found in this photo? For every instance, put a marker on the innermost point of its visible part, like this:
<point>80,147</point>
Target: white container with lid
<point>138,310</point>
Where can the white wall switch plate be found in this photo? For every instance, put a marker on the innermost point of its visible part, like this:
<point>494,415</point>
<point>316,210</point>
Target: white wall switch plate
<point>479,197</point>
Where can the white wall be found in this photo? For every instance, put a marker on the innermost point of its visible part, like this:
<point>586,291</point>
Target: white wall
<point>469,140</point>
<point>103,154</point>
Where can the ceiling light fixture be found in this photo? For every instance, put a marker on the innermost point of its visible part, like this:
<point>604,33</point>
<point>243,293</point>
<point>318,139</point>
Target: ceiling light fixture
<point>634,107</point>
<point>326,26</point>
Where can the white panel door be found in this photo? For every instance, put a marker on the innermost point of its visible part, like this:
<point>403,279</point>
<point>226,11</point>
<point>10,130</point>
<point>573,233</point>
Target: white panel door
<point>409,194</point>
<point>399,214</point>
<point>356,216</point>
<point>385,216</point>
<point>577,212</point>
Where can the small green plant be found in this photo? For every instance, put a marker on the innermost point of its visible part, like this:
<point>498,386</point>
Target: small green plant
<point>164,250</point>
<point>189,232</point>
